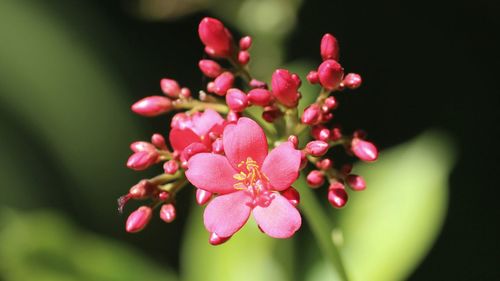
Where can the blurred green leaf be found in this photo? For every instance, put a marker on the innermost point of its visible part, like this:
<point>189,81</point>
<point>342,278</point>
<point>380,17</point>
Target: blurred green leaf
<point>249,255</point>
<point>44,245</point>
<point>61,89</point>
<point>388,229</point>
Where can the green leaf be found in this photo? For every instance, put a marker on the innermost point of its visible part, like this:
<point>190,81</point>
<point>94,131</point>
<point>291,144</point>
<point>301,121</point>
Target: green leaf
<point>388,228</point>
<point>249,255</point>
<point>44,245</point>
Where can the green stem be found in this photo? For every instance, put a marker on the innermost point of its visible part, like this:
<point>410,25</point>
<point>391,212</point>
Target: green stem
<point>321,228</point>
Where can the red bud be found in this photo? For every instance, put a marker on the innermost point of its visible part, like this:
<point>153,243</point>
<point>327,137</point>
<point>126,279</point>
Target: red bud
<point>330,74</point>
<point>315,179</point>
<point>152,106</point>
<point>236,100</point>
<point>167,213</point>
<point>317,148</point>
<point>329,47</point>
<point>364,150</point>
<point>337,195</point>
<point>210,68</point>
<point>356,182</point>
<point>216,37</point>
<point>138,219</point>
<point>170,87</point>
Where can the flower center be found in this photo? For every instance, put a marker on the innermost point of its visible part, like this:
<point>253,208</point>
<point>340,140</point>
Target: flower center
<point>251,179</point>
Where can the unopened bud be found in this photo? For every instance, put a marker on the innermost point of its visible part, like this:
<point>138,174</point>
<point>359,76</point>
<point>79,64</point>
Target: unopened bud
<point>331,103</point>
<point>313,77</point>
<point>233,116</point>
<point>192,150</point>
<point>245,43</point>
<point>171,167</point>
<point>236,100</point>
<point>346,169</point>
<point>164,196</point>
<point>320,133</point>
<point>335,134</point>
<point>138,219</point>
<point>152,106</point>
<point>167,213</point>
<point>294,140</point>
<point>324,164</point>
<point>223,83</point>
<point>260,97</point>
<point>315,179</point>
<point>303,160</point>
<point>216,239</point>
<point>356,182</point>
<point>285,87</point>
<point>142,160</point>
<point>317,148</point>
<point>364,150</point>
<point>292,195</point>
<point>271,113</point>
<point>254,83</point>
<point>210,68</point>
<point>329,47</point>
<point>337,195</point>
<point>330,74</point>
<point>218,146</point>
<point>352,81</point>
<point>142,146</point>
<point>170,87</point>
<point>185,93</point>
<point>159,141</point>
<point>311,115</point>
<point>141,190</point>
<point>215,37</point>
<point>243,57</point>
<point>203,196</point>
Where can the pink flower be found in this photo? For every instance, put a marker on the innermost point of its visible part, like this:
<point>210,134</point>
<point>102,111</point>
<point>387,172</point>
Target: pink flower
<point>187,130</point>
<point>248,180</point>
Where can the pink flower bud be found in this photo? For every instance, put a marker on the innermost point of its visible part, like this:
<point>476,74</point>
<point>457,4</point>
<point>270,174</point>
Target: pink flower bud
<point>152,106</point>
<point>356,182</point>
<point>243,57</point>
<point>170,87</point>
<point>223,83</point>
<point>271,113</point>
<point>312,77</point>
<point>159,141</point>
<point>141,190</point>
<point>260,97</point>
<point>285,87</point>
<point>236,100</point>
<point>185,93</point>
<point>202,196</point>
<point>254,83</point>
<point>217,240</point>
<point>294,140</point>
<point>167,213</point>
<point>329,47</point>
<point>331,103</point>
<point>352,81</point>
<point>211,87</point>
<point>164,195</point>
<point>138,219</point>
<point>315,179</point>
<point>210,68</point>
<point>303,160</point>
<point>170,167</point>
<point>193,149</point>
<point>346,169</point>
<point>321,133</point>
<point>317,148</point>
<point>245,43</point>
<point>364,150</point>
<point>292,195</point>
<point>326,117</point>
<point>337,195</point>
<point>142,160</point>
<point>330,74</point>
<point>335,134</point>
<point>215,37</point>
<point>233,116</point>
<point>142,146</point>
<point>218,146</point>
<point>324,164</point>
<point>311,115</point>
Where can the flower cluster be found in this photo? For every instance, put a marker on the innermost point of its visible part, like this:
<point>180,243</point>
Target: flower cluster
<point>238,166</point>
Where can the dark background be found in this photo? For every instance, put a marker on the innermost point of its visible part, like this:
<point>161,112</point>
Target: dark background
<point>425,64</point>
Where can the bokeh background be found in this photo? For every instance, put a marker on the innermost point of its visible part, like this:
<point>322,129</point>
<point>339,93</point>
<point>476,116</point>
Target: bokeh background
<point>69,71</point>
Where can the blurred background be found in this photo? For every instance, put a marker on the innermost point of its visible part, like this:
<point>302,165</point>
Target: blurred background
<point>69,71</point>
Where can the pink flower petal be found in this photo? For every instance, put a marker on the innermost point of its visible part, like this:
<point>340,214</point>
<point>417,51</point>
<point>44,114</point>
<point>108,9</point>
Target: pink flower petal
<point>282,166</point>
<point>204,123</point>
<point>280,219</point>
<point>181,138</point>
<point>227,213</point>
<point>243,140</point>
<point>211,172</point>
